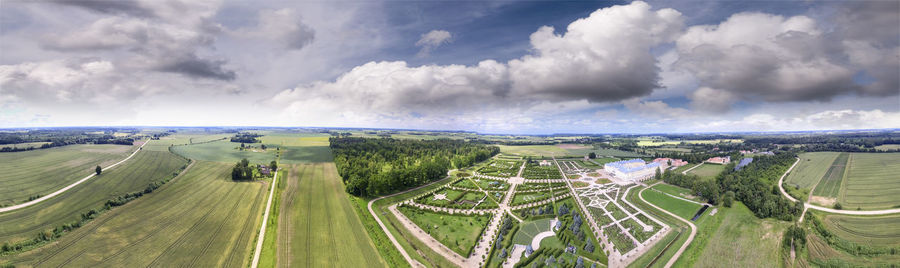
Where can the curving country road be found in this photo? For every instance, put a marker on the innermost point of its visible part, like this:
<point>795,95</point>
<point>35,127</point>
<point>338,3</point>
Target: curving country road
<point>690,237</point>
<point>64,189</point>
<point>829,210</point>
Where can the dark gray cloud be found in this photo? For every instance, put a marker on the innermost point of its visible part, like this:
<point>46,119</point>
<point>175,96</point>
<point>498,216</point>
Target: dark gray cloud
<point>869,32</point>
<point>195,67</point>
<point>124,7</point>
<point>299,38</point>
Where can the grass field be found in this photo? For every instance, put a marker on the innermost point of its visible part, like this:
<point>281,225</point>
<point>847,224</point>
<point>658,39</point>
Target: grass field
<point>200,219</point>
<point>885,147</point>
<point>163,143</point>
<point>872,181</point>
<point>811,169</point>
<point>830,184</point>
<point>40,172</point>
<point>881,231</point>
<point>708,171</point>
<point>133,175</point>
<point>743,240</point>
<point>681,208</point>
<point>528,229</point>
<point>824,255</point>
<point>35,145</point>
<point>457,232</point>
<point>562,150</point>
<point>224,151</point>
<point>317,226</point>
<point>676,191</point>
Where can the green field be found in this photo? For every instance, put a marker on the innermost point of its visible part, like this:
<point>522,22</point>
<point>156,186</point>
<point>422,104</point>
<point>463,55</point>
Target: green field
<point>708,171</point>
<point>562,150</point>
<point>26,145</point>
<point>528,229</point>
<point>872,181</point>
<point>743,240</point>
<point>163,143</point>
<point>879,231</point>
<point>676,191</point>
<point>224,151</point>
<point>830,184</point>
<point>202,218</point>
<point>457,232</point>
<point>41,172</point>
<point>317,226</point>
<point>885,147</point>
<point>811,169</point>
<point>681,208</point>
<point>132,175</point>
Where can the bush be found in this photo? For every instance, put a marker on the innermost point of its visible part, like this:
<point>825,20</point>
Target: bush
<point>838,206</point>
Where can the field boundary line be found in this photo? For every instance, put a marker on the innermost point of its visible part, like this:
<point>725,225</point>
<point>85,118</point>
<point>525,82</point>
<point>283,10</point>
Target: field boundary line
<point>64,189</point>
<point>690,237</point>
<point>262,229</point>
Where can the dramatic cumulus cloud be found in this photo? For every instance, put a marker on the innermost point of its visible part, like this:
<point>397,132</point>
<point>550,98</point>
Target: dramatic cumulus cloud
<point>431,40</point>
<point>604,57</point>
<point>766,57</point>
<point>825,120</point>
<point>283,26</point>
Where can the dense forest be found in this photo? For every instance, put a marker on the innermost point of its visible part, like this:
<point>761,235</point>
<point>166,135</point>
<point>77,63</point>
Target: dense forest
<point>246,138</point>
<point>61,137</point>
<point>756,185</point>
<point>378,166</point>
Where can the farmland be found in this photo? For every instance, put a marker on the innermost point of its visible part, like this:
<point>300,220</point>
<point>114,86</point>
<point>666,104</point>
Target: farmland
<point>163,143</point>
<point>811,169</point>
<point>708,171</point>
<point>562,150</point>
<point>133,175</point>
<point>201,219</point>
<point>858,240</point>
<point>40,172</point>
<point>743,240</point>
<point>224,151</point>
<point>872,181</point>
<point>317,225</point>
<point>880,231</point>
<point>830,184</point>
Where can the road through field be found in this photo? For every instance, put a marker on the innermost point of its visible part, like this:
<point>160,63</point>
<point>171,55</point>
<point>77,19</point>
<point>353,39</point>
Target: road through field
<point>690,237</point>
<point>830,210</point>
<point>262,228</point>
<point>64,189</point>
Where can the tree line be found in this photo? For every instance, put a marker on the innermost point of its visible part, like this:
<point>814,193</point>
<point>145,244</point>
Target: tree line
<point>756,185</point>
<point>378,166</point>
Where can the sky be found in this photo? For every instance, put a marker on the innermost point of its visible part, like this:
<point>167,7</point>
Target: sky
<point>518,67</point>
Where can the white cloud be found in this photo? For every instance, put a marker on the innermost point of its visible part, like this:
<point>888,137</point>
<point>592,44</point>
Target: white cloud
<point>283,26</point>
<point>712,100</point>
<point>431,40</point>
<point>825,120</point>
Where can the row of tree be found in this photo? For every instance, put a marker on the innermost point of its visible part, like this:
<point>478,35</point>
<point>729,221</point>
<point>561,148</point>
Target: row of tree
<point>246,137</point>
<point>378,166</point>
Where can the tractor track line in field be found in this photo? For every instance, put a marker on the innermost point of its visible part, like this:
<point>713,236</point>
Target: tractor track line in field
<point>181,239</point>
<point>285,230</point>
<point>218,229</point>
<point>256,204</point>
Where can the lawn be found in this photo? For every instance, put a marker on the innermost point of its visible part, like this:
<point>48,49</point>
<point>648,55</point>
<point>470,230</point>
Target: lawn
<point>676,191</point>
<point>811,169</point>
<point>708,171</point>
<point>535,171</point>
<point>743,240</point>
<point>872,181</point>
<point>225,151</point>
<point>830,184</point>
<point>528,229</point>
<point>317,226</point>
<point>132,175</point>
<point>681,208</point>
<point>457,232</point>
<point>41,172</point>
<point>202,218</point>
<point>524,198</point>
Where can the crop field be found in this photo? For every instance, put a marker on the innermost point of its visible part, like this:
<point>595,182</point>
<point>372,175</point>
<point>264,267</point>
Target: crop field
<point>199,219</point>
<point>224,151</point>
<point>872,181</point>
<point>563,150</point>
<point>317,226</point>
<point>811,169</point>
<point>162,144</point>
<point>299,139</point>
<point>457,232</point>
<point>132,175</point>
<point>528,229</point>
<point>885,147</point>
<point>25,145</point>
<point>821,253</point>
<point>743,240</point>
<point>681,208</point>
<point>40,172</point>
<point>881,231</point>
<point>830,185</point>
<point>708,171</point>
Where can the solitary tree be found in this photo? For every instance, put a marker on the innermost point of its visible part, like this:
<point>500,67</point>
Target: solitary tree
<point>592,155</point>
<point>274,165</point>
<point>98,170</point>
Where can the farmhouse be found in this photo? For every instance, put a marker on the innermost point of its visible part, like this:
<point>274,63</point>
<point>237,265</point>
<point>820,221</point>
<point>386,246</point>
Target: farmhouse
<point>263,169</point>
<point>544,163</point>
<point>633,170</point>
<point>719,160</point>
